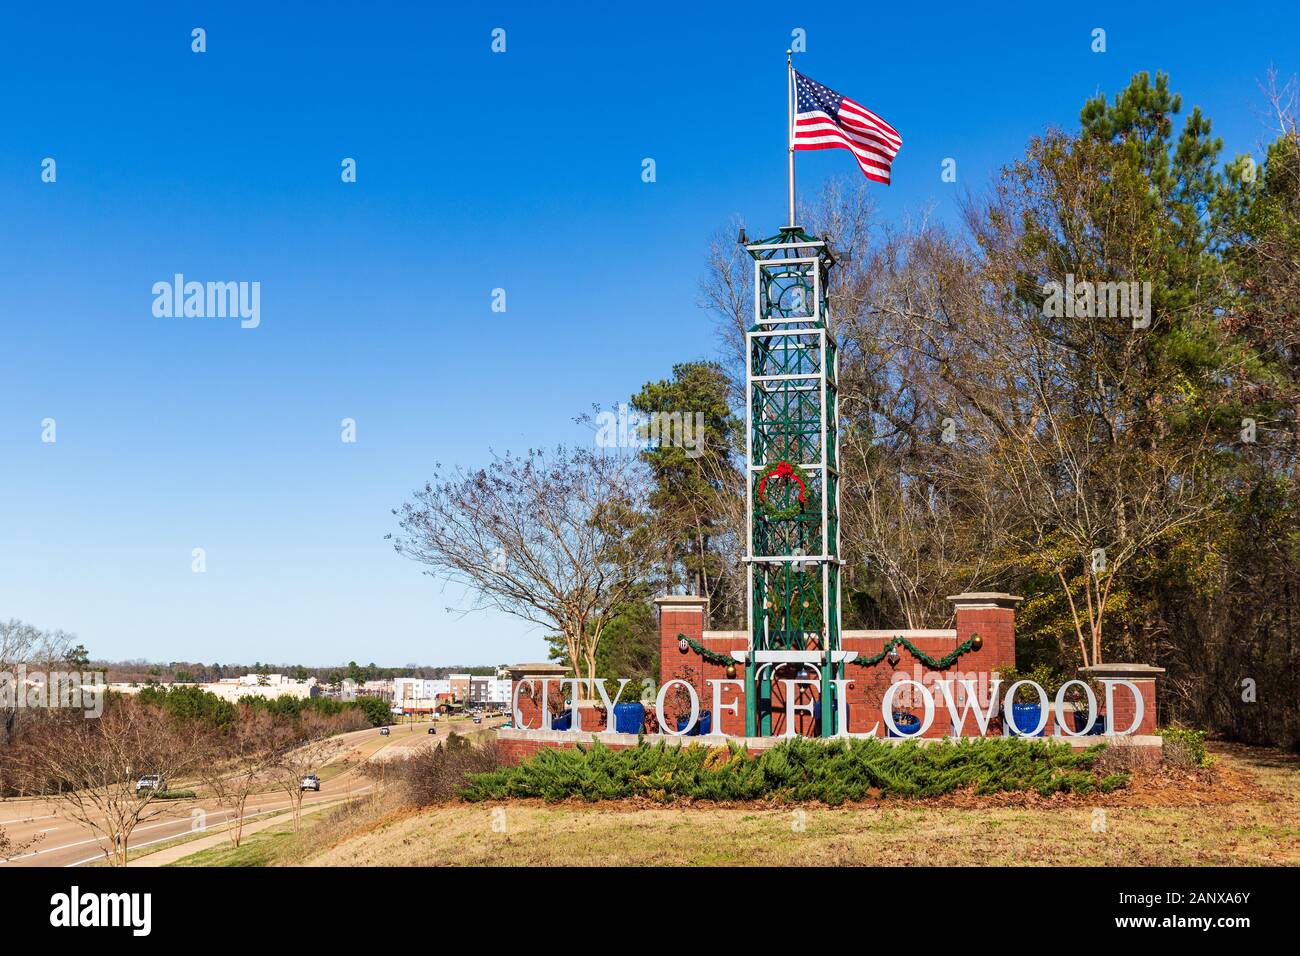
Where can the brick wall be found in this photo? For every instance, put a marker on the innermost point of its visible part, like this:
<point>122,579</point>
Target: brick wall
<point>990,615</point>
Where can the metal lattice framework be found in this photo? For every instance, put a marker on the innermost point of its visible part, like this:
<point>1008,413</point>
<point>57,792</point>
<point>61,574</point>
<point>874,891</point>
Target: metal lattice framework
<point>792,416</point>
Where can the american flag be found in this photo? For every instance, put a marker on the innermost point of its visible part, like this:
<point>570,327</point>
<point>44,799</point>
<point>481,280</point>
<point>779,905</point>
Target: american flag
<point>823,119</point>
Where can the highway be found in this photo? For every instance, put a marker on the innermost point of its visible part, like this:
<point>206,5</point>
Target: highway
<point>66,842</point>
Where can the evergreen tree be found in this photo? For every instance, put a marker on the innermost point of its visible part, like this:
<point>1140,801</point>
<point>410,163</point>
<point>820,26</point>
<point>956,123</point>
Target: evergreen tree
<point>693,465</point>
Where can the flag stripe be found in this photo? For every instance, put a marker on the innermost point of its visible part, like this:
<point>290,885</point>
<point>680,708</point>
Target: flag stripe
<point>833,142</point>
<point>875,173</point>
<point>819,121</point>
<point>859,113</point>
<point>825,119</point>
<point>824,133</point>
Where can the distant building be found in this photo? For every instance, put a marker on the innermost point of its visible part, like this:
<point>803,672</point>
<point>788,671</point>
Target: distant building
<point>250,685</point>
<point>263,685</point>
<point>418,695</point>
<point>376,688</point>
<point>489,692</point>
<point>459,686</point>
<point>344,690</point>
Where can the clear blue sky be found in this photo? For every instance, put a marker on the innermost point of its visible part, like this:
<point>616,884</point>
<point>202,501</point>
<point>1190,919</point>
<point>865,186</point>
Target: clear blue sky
<point>476,171</point>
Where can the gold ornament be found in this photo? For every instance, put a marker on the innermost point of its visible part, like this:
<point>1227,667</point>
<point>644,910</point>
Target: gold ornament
<point>976,642</point>
<point>731,672</point>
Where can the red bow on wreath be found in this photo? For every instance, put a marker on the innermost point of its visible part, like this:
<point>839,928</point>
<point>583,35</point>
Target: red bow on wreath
<point>783,470</point>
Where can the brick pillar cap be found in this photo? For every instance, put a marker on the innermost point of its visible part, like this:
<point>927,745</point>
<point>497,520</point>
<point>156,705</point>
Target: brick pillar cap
<point>522,671</point>
<point>978,599</point>
<point>1121,671</point>
<point>681,600</point>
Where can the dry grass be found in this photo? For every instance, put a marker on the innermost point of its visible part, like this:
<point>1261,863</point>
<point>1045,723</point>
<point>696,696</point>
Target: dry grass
<point>1245,812</point>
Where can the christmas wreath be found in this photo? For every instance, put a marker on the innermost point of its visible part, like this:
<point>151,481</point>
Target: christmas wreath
<point>789,472</point>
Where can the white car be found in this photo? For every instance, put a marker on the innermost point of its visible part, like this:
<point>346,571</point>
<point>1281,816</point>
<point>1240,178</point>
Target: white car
<point>310,782</point>
<point>150,781</point>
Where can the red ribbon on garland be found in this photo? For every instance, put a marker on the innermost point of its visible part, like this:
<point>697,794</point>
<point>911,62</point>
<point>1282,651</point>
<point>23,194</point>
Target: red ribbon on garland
<point>783,470</point>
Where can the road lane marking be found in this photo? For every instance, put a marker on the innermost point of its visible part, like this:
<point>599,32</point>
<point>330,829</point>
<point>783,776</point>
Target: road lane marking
<point>153,826</point>
<point>139,846</point>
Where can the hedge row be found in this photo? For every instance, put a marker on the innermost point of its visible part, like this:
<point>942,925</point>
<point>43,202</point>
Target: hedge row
<point>799,770</point>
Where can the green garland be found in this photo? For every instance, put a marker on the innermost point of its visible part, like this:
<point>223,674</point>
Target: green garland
<point>937,664</point>
<point>940,664</point>
<point>713,657</point>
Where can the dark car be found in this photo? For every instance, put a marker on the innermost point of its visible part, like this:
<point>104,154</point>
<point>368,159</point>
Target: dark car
<point>383,731</point>
<point>433,730</point>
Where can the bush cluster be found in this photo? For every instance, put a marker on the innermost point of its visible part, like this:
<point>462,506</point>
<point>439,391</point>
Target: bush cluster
<point>1185,748</point>
<point>799,770</point>
<point>439,774</point>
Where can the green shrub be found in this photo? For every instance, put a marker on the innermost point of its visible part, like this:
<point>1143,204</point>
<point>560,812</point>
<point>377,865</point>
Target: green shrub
<point>1112,782</point>
<point>800,770</point>
<point>174,794</point>
<point>1185,748</point>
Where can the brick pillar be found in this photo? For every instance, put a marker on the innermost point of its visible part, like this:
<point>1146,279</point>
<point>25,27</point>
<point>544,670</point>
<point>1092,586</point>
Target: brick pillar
<point>1143,676</point>
<point>530,703</point>
<point>681,614</point>
<point>991,615</point>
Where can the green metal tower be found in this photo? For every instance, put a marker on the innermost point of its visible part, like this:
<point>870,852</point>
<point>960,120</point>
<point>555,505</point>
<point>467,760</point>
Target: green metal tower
<point>792,501</point>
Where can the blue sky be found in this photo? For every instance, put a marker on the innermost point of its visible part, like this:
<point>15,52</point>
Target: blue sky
<point>475,171</point>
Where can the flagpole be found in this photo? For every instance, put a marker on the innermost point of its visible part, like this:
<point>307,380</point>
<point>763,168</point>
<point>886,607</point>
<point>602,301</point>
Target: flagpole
<point>789,133</point>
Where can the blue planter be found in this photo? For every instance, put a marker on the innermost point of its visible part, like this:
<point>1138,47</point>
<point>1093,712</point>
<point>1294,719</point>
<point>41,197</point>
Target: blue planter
<point>629,718</point>
<point>702,726</point>
<point>1081,721</point>
<point>1027,717</point>
<point>563,722</point>
<point>908,724</point>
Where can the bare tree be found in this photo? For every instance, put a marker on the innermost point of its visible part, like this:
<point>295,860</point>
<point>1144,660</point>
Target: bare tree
<point>9,849</point>
<point>22,643</point>
<point>91,766</point>
<point>314,746</point>
<point>242,761</point>
<point>559,539</point>
<point>1060,433</point>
